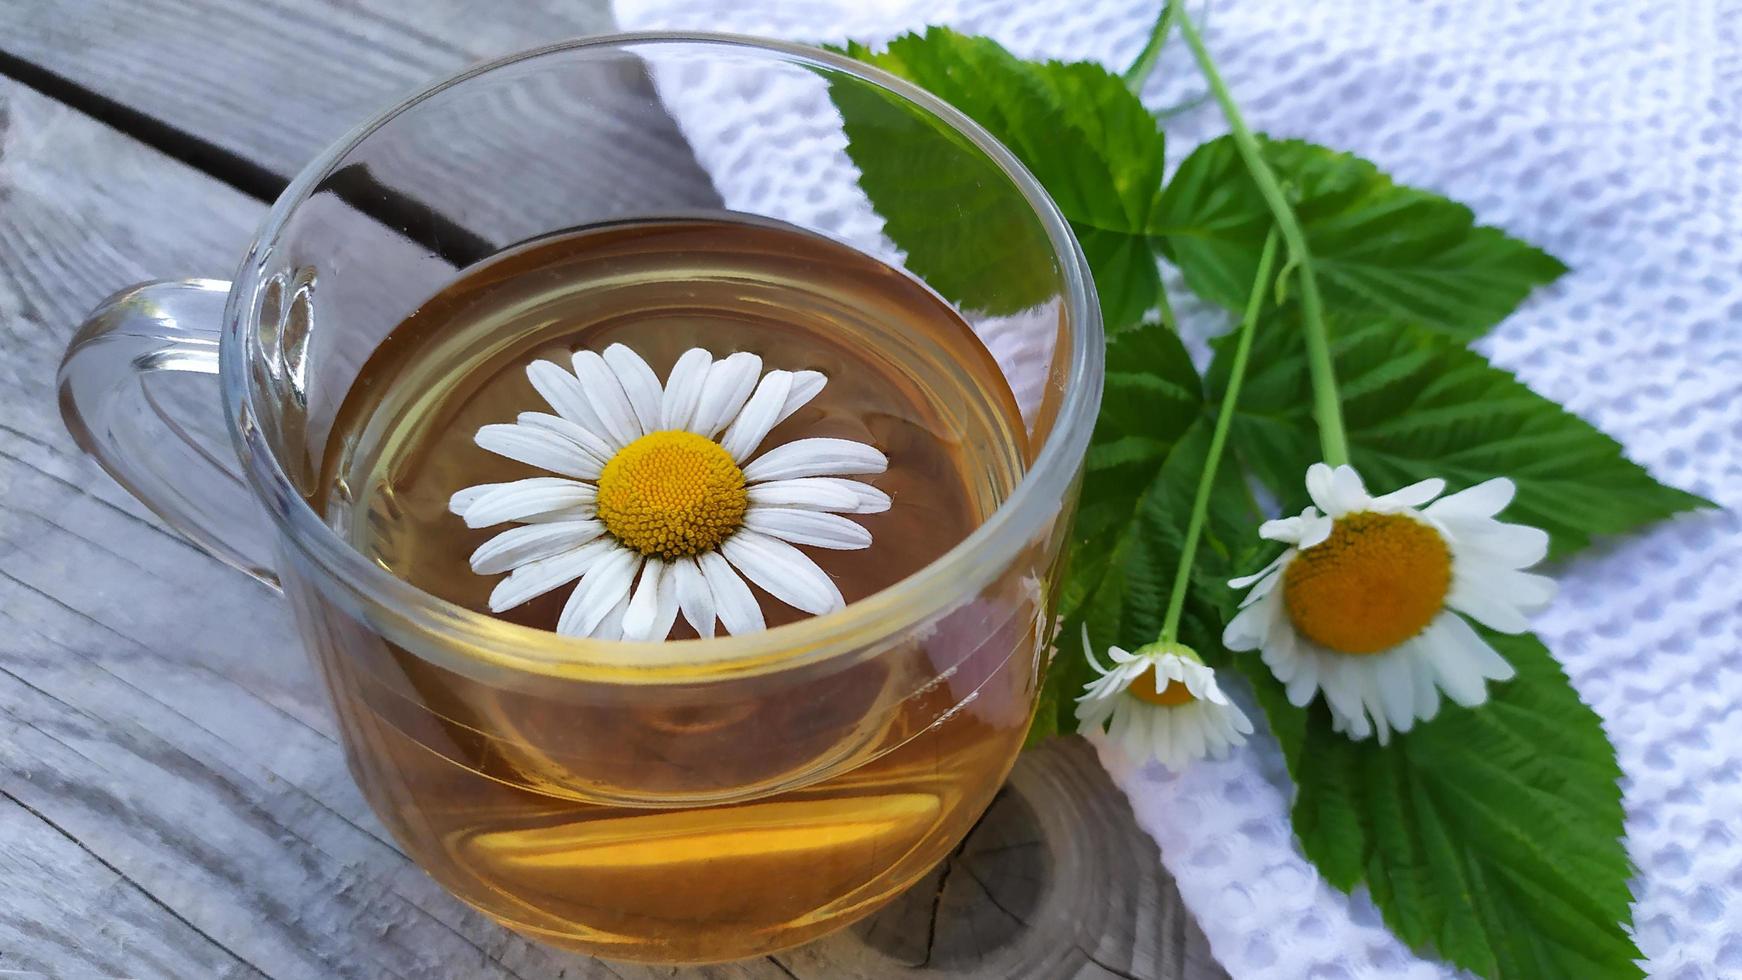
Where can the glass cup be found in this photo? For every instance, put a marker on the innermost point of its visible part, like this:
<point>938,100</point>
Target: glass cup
<point>691,801</point>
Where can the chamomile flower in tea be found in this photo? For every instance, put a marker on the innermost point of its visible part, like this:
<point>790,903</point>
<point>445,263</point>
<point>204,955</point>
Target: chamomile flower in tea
<point>660,503</point>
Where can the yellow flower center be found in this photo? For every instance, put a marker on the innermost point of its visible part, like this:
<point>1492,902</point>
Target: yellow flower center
<point>672,494</point>
<point>1378,580</point>
<point>1174,694</point>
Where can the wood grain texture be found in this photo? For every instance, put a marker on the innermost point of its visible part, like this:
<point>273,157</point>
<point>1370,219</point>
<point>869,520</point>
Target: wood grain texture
<point>256,91</point>
<point>157,714</point>
<point>161,733</point>
<point>275,82</point>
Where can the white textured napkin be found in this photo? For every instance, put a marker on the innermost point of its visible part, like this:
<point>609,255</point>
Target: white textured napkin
<point>1608,133</point>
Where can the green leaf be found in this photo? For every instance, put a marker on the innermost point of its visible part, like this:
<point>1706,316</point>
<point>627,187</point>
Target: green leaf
<point>945,203</point>
<point>1417,405</point>
<point>1141,474</point>
<point>1089,141</point>
<point>1152,397</point>
<point>1127,279</point>
<point>1490,837</point>
<point>1378,247</point>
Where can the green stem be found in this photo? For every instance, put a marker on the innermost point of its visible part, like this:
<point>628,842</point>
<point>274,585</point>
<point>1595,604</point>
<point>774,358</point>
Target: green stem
<point>1327,406</point>
<point>1139,71</point>
<point>1176,600</point>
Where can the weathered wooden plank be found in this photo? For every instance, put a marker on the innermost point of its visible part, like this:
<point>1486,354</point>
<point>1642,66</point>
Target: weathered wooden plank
<point>256,100</point>
<point>274,83</point>
<point>192,759</point>
<point>122,930</point>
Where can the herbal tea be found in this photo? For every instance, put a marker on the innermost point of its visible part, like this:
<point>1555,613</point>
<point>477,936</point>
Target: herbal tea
<point>697,821</point>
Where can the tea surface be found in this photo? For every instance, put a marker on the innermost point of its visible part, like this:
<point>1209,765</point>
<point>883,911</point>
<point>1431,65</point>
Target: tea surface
<point>905,374</point>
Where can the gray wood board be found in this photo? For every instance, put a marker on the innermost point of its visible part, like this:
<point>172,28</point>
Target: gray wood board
<point>271,86</point>
<point>191,762</point>
<point>275,82</point>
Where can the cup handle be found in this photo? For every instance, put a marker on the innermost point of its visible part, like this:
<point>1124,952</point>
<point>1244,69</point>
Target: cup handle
<point>111,412</point>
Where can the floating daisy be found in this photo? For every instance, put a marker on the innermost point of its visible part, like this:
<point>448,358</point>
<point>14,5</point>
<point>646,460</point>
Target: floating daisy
<point>1368,603</point>
<point>1160,703</point>
<point>657,502</point>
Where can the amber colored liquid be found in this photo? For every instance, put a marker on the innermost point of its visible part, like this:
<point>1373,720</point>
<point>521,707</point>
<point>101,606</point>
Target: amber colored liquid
<point>697,821</point>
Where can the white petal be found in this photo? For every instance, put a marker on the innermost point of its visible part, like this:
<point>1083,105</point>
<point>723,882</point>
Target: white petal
<point>727,388</point>
<point>1169,736</point>
<point>530,542</point>
<point>782,571</point>
<point>815,457</point>
<point>1293,662</point>
<point>1262,588</point>
<point>1482,500</point>
<point>1395,676</point>
<point>589,442</point>
<point>1241,724</point>
<point>1529,591</point>
<point>537,447</point>
<point>642,619</point>
<point>1303,531</point>
<point>535,578</point>
<point>814,528</point>
<point>1318,485</point>
<point>465,497</point>
<point>1508,545</point>
<point>1282,643</point>
<point>1088,648</point>
<point>1369,680</point>
<point>1246,580</point>
<point>1413,495</point>
<point>1427,693</point>
<point>563,392</point>
<point>1486,599</point>
<point>1250,627</point>
<point>812,493</point>
<point>1342,683</point>
<point>757,416</point>
<point>694,596</point>
<point>668,609</point>
<point>1489,663</point>
<point>1455,672</point>
<point>604,585</point>
<point>1301,688</point>
<point>1092,714</point>
<point>805,386</point>
<point>1190,730</point>
<point>871,499</point>
<point>639,383</point>
<point>617,420</point>
<point>1347,492</point>
<point>526,499</point>
<point>738,609</point>
<point>683,389</point>
<point>582,512</point>
<point>611,627</point>
<point>1315,529</point>
<point>1284,529</point>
